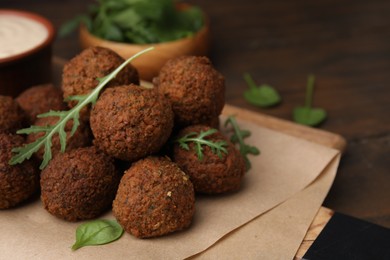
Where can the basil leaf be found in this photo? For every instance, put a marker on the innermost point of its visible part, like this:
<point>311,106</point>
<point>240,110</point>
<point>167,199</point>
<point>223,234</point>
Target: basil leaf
<point>309,116</point>
<point>141,21</point>
<point>262,96</point>
<point>126,19</point>
<point>97,232</point>
<point>114,33</point>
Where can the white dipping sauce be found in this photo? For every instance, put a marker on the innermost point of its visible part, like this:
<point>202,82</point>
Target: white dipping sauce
<point>19,34</point>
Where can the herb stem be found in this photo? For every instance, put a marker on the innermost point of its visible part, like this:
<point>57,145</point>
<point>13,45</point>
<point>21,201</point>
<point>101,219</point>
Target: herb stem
<point>249,81</point>
<point>237,130</point>
<point>309,91</point>
<point>238,137</point>
<point>201,141</point>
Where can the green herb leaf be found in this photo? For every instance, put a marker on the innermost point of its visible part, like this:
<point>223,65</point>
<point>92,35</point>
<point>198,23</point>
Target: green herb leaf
<point>263,96</point>
<point>97,232</point>
<point>307,115</point>
<point>200,140</point>
<point>139,21</point>
<point>25,152</point>
<point>70,26</point>
<point>238,137</point>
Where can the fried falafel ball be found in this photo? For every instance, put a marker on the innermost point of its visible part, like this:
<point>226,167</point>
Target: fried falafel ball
<point>80,74</point>
<point>154,198</point>
<point>195,89</point>
<point>212,174</point>
<point>214,123</point>
<point>81,138</point>
<point>12,117</point>
<point>41,99</point>
<point>17,182</point>
<point>79,184</point>
<point>131,122</point>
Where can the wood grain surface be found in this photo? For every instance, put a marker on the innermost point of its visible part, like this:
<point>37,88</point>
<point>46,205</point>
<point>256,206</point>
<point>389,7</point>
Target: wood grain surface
<point>345,43</point>
<point>318,224</point>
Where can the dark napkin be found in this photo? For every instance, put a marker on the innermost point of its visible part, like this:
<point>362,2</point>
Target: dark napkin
<point>345,237</point>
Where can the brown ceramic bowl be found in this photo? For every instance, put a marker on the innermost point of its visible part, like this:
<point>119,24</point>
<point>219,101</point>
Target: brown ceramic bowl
<point>30,65</point>
<point>149,64</point>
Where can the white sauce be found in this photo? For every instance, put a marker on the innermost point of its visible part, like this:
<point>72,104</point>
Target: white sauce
<point>19,34</point>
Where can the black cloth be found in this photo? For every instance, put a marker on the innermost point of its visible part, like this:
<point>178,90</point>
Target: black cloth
<point>345,237</point>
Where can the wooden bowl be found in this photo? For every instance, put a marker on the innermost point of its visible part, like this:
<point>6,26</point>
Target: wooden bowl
<point>30,65</point>
<point>149,64</point>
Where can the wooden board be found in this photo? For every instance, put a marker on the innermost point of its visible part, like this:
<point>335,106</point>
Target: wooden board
<point>315,135</point>
<point>318,224</point>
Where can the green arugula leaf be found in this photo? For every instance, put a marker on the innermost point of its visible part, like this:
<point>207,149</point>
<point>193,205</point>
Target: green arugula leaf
<point>307,115</point>
<point>263,96</point>
<point>97,232</point>
<point>25,152</point>
<point>238,137</point>
<point>199,140</point>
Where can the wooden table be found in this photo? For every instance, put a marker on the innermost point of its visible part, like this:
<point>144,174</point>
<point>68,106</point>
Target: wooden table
<point>345,43</point>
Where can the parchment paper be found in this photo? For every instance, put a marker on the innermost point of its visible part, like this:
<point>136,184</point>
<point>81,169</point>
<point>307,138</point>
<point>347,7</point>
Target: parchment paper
<point>278,233</point>
<point>285,167</point>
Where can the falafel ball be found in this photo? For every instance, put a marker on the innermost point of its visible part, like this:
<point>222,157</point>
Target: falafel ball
<point>212,174</point>
<point>79,184</point>
<point>17,182</point>
<point>40,99</point>
<point>131,122</point>
<point>80,74</point>
<point>195,89</point>
<point>12,116</point>
<point>154,198</point>
<point>81,138</point>
<point>214,123</point>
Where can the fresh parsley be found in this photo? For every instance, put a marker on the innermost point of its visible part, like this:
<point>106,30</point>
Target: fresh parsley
<point>199,140</point>
<point>26,151</point>
<point>307,115</point>
<point>262,96</point>
<point>238,138</point>
<point>138,21</point>
<point>97,232</point>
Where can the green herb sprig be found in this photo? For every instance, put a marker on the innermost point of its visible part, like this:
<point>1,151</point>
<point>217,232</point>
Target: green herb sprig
<point>307,115</point>
<point>238,138</point>
<point>25,152</point>
<point>199,140</point>
<point>97,232</point>
<point>138,21</point>
<point>262,96</point>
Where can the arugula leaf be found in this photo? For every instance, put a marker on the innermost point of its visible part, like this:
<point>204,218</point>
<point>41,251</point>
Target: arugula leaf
<point>25,152</point>
<point>263,96</point>
<point>198,139</point>
<point>307,115</point>
<point>238,137</point>
<point>97,232</point>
